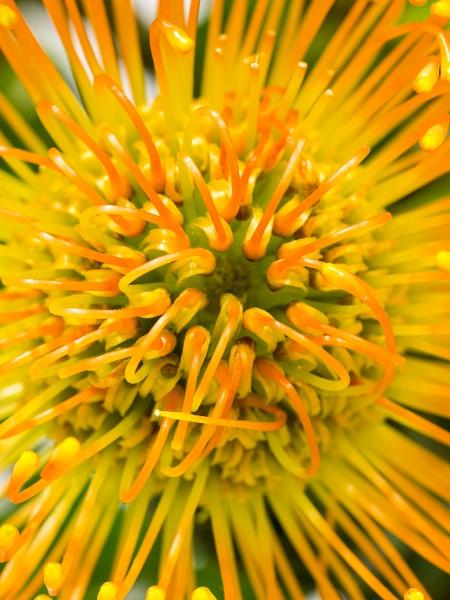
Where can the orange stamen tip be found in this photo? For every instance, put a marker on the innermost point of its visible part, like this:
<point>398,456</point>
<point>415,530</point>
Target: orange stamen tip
<point>8,16</point>
<point>177,38</point>
<point>427,77</point>
<point>53,577</point>
<point>418,2</point>
<point>24,468</point>
<point>8,537</point>
<point>443,260</point>
<point>42,597</point>
<point>441,9</point>
<point>202,593</point>
<point>335,276</point>
<point>434,137</point>
<point>62,457</point>
<point>155,593</point>
<point>414,594</point>
<point>108,591</point>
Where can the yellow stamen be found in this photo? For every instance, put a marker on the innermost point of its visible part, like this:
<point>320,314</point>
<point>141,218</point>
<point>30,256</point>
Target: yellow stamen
<point>22,470</point>
<point>414,594</point>
<point>7,16</point>
<point>177,38</point>
<point>441,9</point>
<point>443,260</point>
<point>8,537</point>
<point>62,458</point>
<point>434,136</point>
<point>108,591</point>
<point>53,577</point>
<point>427,77</point>
<point>202,593</point>
<point>155,593</point>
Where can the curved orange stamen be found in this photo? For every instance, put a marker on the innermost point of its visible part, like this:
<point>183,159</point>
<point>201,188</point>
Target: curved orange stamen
<point>80,341</point>
<point>336,336</point>
<point>236,367</point>
<point>108,285</point>
<point>63,167</point>
<point>18,315</point>
<point>162,345</point>
<point>118,185</point>
<point>16,495</point>
<point>153,154</point>
<point>230,423</point>
<point>266,320</point>
<point>231,157</point>
<point>347,232</point>
<point>126,282</point>
<point>223,237</point>
<point>26,156</point>
<point>196,343</point>
<point>59,307</point>
<point>190,298</point>
<point>78,250</point>
<point>269,370</point>
<point>172,399</point>
<point>53,327</point>
<point>133,218</point>
<point>38,351</point>
<point>355,286</point>
<point>196,451</point>
<point>252,247</point>
<point>84,397</point>
<point>234,313</point>
<point>284,223</point>
<point>153,453</point>
<point>144,183</point>
<point>416,421</point>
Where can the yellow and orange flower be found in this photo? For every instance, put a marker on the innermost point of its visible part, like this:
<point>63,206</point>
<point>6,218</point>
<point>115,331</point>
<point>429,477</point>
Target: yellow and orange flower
<point>208,313</point>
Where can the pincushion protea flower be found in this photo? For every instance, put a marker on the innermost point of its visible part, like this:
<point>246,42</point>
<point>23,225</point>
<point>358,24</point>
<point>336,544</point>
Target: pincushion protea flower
<point>208,314</point>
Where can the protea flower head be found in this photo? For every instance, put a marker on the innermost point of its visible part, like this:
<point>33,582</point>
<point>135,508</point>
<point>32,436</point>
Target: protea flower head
<point>213,324</point>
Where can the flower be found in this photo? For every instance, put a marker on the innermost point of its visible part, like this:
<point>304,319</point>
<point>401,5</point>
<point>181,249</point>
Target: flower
<point>210,317</point>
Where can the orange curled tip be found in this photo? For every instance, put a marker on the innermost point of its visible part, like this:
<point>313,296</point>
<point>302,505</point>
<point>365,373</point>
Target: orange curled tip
<point>443,260</point>
<point>61,459</point>
<point>177,38</point>
<point>155,593</point>
<point>202,593</point>
<point>263,325</point>
<point>108,591</point>
<point>23,470</point>
<point>304,315</point>
<point>418,2</point>
<point>8,16</point>
<point>256,317</point>
<point>232,306</point>
<point>53,577</point>
<point>427,77</point>
<point>414,594</point>
<point>254,245</point>
<point>338,278</point>
<point>441,9</point>
<point>9,534</point>
<point>434,137</point>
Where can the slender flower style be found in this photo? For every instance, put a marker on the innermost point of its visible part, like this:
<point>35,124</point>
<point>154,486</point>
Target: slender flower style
<point>212,324</point>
